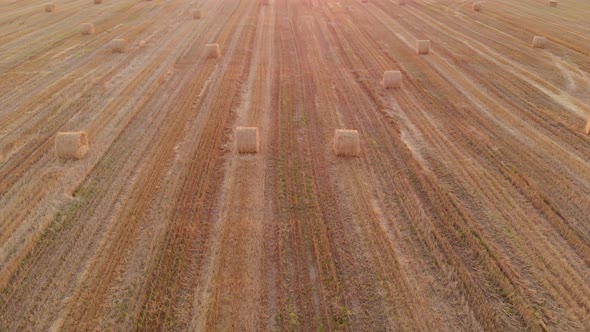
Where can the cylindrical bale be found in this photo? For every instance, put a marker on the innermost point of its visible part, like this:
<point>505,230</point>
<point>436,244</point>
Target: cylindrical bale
<point>539,42</point>
<point>87,28</point>
<point>97,2</point>
<point>71,145</point>
<point>552,3</point>
<point>392,79</point>
<point>118,45</point>
<point>196,14</point>
<point>212,51</point>
<point>477,6</point>
<point>587,129</point>
<point>247,139</point>
<point>364,1</point>
<point>347,142</point>
<point>49,7</point>
<point>423,46</point>
<point>402,2</point>
<point>265,2</point>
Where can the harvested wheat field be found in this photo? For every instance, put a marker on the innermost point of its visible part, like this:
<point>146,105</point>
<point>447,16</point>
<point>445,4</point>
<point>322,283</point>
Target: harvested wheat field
<point>461,203</point>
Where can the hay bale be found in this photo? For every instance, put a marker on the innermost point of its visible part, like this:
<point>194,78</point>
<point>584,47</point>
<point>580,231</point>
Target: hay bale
<point>423,46</point>
<point>50,7</point>
<point>392,79</point>
<point>587,129</point>
<point>265,2</point>
<point>196,14</point>
<point>97,2</point>
<point>87,28</point>
<point>539,42</point>
<point>212,51</point>
<point>118,45</point>
<point>71,145</point>
<point>402,2</point>
<point>364,1</point>
<point>552,3</point>
<point>477,6</point>
<point>346,142</point>
<point>247,139</point>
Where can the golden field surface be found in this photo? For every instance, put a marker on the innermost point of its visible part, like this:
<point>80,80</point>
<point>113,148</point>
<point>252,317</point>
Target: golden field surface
<point>467,209</point>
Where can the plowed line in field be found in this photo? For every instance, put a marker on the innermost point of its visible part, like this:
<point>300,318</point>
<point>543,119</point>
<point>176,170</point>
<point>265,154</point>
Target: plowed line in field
<point>25,228</point>
<point>104,270</point>
<point>237,283</point>
<point>418,121</point>
<point>203,79</point>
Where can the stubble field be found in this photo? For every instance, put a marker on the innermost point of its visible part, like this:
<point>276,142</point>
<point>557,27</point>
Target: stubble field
<point>468,208</point>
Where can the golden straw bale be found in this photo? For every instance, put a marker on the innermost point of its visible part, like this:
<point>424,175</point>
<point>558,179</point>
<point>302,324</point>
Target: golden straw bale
<point>118,45</point>
<point>50,7</point>
<point>477,6</point>
<point>423,46</point>
<point>196,14</point>
<point>71,145</point>
<point>212,51</point>
<point>392,79</point>
<point>552,3</point>
<point>97,2</point>
<point>346,142</point>
<point>247,139</point>
<point>587,129</point>
<point>539,42</point>
<point>87,28</point>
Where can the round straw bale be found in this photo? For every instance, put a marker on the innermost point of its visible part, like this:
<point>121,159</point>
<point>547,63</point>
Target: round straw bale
<point>118,45</point>
<point>402,2</point>
<point>552,3</point>
<point>587,129</point>
<point>477,6</point>
<point>97,2</point>
<point>392,79</point>
<point>196,14</point>
<point>49,7</point>
<point>71,145</point>
<point>87,28</point>
<point>247,139</point>
<point>212,51</point>
<point>423,46</point>
<point>364,1</point>
<point>539,42</point>
<point>346,142</point>
<point>265,2</point>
